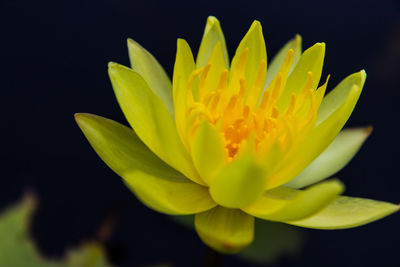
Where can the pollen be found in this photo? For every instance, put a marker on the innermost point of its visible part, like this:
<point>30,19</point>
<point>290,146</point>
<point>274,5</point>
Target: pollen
<point>251,115</point>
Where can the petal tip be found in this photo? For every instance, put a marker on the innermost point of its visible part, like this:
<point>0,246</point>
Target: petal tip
<point>212,20</point>
<point>368,130</point>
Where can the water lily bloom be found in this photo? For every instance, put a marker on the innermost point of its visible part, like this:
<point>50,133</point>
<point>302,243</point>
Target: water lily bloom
<point>231,141</point>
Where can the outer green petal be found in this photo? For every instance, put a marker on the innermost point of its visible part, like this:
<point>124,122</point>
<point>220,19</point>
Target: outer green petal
<point>348,212</point>
<point>170,195</point>
<point>150,119</point>
<point>320,137</point>
<point>286,204</point>
<point>208,151</point>
<point>239,183</point>
<point>339,94</point>
<point>152,72</point>
<point>277,61</point>
<point>311,61</point>
<point>225,230</point>
<point>334,158</point>
<point>154,182</point>
<point>254,41</point>
<point>212,35</point>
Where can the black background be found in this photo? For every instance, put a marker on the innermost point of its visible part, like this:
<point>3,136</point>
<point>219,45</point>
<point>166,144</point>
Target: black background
<point>54,58</point>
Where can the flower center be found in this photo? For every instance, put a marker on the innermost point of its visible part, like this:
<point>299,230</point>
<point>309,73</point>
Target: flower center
<point>250,114</point>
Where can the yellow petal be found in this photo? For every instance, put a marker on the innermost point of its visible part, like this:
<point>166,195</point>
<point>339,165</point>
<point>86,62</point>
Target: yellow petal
<point>173,195</point>
<point>212,35</point>
<point>311,61</point>
<point>149,117</point>
<point>208,151</point>
<point>286,204</point>
<point>276,63</point>
<point>239,183</point>
<point>184,66</point>
<point>152,72</point>
<point>322,135</point>
<point>339,94</point>
<point>159,186</point>
<point>254,42</point>
<point>217,66</point>
<point>334,158</point>
<point>225,230</point>
<point>348,212</point>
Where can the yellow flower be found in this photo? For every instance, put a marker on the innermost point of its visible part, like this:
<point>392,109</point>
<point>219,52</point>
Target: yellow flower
<point>230,143</point>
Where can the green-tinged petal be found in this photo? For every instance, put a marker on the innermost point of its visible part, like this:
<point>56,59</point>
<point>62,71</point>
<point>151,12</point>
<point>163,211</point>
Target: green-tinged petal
<point>184,66</point>
<point>152,72</point>
<point>348,212</point>
<point>277,61</point>
<point>212,35</point>
<point>154,182</point>
<point>208,151</point>
<point>170,195</point>
<point>150,119</point>
<point>225,230</point>
<point>319,138</point>
<point>254,42</point>
<point>334,158</point>
<point>311,61</point>
<point>239,183</point>
<point>286,204</point>
<point>339,94</point>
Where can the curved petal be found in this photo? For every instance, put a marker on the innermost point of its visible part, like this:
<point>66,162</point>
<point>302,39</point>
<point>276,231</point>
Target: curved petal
<point>150,119</point>
<point>208,151</point>
<point>276,63</point>
<point>348,212</point>
<point>239,183</point>
<point>154,182</point>
<point>225,230</point>
<point>311,61</point>
<point>152,72</point>
<point>254,42</point>
<point>334,158</point>
<point>212,35</point>
<point>321,135</point>
<point>286,204</point>
<point>335,99</point>
<point>173,195</point>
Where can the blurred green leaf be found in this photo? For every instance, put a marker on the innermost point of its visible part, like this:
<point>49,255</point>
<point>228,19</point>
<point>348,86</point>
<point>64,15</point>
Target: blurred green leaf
<point>271,240</point>
<point>17,248</point>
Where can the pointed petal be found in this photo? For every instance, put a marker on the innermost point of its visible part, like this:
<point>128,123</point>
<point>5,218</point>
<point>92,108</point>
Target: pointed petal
<point>150,119</point>
<point>212,35</point>
<point>286,204</point>
<point>323,133</point>
<point>225,230</point>
<point>254,42</point>
<point>338,95</point>
<point>277,61</point>
<point>311,61</point>
<point>208,151</point>
<point>184,66</point>
<point>217,66</point>
<point>348,212</point>
<point>152,72</point>
<point>239,183</point>
<point>333,159</point>
<point>154,182</point>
